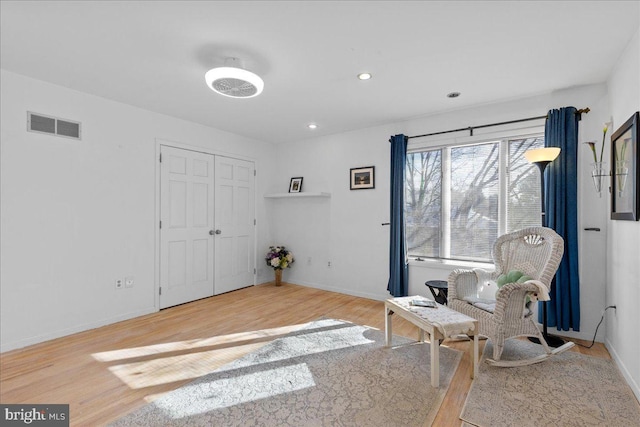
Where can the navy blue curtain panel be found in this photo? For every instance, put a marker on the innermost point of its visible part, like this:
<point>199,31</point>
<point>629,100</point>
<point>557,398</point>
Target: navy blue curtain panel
<point>561,130</point>
<point>398,269</point>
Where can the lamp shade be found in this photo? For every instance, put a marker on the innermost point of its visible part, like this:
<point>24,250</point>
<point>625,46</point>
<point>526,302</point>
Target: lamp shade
<point>547,154</point>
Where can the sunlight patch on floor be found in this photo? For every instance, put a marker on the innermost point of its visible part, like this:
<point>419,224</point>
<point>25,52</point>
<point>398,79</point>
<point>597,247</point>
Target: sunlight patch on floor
<point>166,363</point>
<point>155,349</point>
<point>313,341</point>
<point>227,392</point>
<point>163,370</point>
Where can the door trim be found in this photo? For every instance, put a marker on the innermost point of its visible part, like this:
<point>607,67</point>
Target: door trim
<point>159,142</point>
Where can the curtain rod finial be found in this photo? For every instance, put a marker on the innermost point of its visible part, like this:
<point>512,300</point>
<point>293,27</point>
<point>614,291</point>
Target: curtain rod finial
<point>582,111</point>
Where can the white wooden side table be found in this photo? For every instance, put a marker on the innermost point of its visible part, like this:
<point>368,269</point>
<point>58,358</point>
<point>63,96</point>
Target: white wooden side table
<point>440,323</point>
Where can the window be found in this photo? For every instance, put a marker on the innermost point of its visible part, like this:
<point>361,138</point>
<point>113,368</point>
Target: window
<point>459,199</point>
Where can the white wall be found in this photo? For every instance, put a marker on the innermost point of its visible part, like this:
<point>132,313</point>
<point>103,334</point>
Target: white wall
<point>623,266</point>
<point>346,229</point>
<point>76,215</point>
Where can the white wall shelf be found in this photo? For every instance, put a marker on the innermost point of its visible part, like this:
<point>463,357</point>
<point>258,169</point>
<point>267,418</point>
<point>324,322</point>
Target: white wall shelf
<point>295,195</point>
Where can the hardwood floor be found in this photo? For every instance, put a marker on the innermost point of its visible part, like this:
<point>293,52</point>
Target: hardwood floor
<point>107,372</point>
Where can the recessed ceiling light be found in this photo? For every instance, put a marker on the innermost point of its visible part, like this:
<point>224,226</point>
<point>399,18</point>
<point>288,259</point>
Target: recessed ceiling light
<point>312,126</point>
<point>364,76</point>
<point>453,95</point>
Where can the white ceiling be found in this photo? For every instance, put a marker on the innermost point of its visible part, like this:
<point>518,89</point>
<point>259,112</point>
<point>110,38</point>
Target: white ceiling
<point>154,55</point>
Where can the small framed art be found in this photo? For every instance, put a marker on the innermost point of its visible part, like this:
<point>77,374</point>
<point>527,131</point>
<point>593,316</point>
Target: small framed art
<point>295,186</point>
<point>625,171</point>
<point>362,178</point>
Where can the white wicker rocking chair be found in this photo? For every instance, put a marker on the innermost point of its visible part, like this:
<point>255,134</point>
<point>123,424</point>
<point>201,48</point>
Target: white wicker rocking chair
<point>534,251</point>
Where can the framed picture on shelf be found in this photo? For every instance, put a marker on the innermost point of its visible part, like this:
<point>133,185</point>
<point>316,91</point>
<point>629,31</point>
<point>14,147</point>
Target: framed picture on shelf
<point>625,172</point>
<point>362,178</point>
<point>295,186</point>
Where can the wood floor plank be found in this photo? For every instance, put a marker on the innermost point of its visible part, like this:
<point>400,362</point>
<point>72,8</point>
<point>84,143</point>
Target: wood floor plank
<point>110,371</point>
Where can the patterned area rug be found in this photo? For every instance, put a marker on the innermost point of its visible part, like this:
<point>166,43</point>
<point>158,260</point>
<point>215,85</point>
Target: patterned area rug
<point>330,373</point>
<point>567,390</point>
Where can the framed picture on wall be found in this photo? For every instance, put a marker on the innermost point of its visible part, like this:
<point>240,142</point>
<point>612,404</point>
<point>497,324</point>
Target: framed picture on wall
<point>295,186</point>
<point>625,171</point>
<point>362,178</point>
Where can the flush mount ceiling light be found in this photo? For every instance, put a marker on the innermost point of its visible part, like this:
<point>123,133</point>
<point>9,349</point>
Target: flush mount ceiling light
<point>364,76</point>
<point>453,94</point>
<point>234,81</point>
<point>312,126</point>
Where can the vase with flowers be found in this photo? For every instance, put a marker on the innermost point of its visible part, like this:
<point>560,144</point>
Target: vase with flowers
<point>279,258</point>
<point>598,165</point>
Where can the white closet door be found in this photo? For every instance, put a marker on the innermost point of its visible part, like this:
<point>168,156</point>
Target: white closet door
<point>235,224</point>
<point>186,233</point>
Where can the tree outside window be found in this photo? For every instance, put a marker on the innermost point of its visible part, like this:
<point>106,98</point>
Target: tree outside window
<point>455,208</point>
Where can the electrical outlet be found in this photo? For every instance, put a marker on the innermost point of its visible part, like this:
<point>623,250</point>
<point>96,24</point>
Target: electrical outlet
<point>128,282</point>
<point>119,284</point>
<point>329,264</point>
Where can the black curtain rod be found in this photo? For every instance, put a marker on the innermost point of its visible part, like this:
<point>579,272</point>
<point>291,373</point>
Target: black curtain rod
<point>471,128</point>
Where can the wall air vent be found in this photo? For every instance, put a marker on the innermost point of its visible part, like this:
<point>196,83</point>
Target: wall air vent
<point>52,125</point>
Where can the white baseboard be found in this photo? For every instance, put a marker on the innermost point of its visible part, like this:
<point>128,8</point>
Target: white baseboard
<point>586,336</point>
<point>625,372</point>
<point>69,331</point>
<point>374,296</point>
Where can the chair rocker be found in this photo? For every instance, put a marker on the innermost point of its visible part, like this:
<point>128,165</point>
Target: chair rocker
<point>535,252</point>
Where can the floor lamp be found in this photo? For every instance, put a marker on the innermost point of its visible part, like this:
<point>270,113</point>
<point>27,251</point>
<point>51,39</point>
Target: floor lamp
<point>541,157</point>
